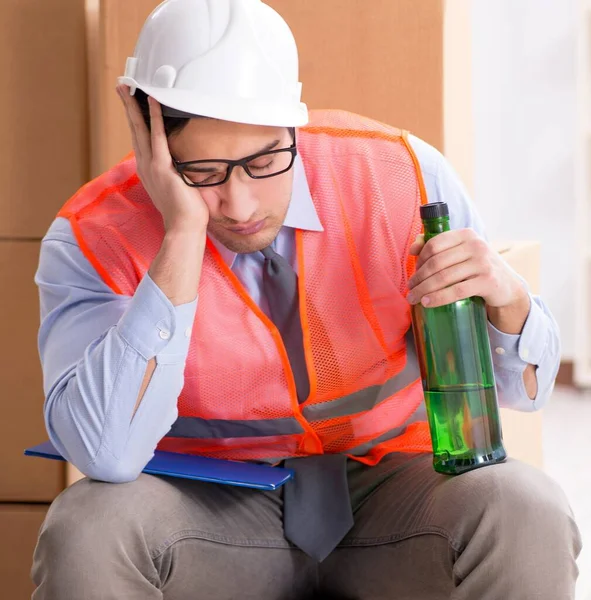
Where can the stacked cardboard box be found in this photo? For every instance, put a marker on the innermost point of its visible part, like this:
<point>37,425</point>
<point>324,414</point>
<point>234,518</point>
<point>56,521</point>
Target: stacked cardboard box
<point>44,160</point>
<point>405,63</point>
<point>19,526</point>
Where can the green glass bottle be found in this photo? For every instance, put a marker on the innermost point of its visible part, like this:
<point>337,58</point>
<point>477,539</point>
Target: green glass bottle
<point>455,360</point>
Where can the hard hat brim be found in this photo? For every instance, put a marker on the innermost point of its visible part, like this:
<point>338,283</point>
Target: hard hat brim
<point>249,111</point>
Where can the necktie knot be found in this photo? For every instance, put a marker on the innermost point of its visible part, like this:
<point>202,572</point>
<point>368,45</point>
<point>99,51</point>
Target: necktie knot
<point>275,264</point>
<point>269,253</point>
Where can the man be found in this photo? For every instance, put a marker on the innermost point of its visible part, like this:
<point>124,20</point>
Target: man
<point>240,289</point>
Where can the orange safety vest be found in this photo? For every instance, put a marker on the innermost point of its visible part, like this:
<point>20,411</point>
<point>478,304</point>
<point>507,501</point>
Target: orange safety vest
<point>239,399</point>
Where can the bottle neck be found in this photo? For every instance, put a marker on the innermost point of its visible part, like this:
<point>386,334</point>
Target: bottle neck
<point>434,227</point>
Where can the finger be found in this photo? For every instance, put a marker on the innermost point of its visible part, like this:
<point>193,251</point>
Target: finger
<point>444,279</point>
<point>444,241</point>
<point>134,142</point>
<point>160,150</point>
<point>439,262</point>
<point>137,125</point>
<point>459,291</point>
<point>122,91</point>
<point>417,245</point>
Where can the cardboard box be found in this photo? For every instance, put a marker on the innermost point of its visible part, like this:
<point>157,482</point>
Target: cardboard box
<point>112,30</point>
<point>524,258</point>
<point>22,479</point>
<point>43,124</point>
<point>405,63</point>
<point>522,432</point>
<point>19,528</point>
<point>366,56</point>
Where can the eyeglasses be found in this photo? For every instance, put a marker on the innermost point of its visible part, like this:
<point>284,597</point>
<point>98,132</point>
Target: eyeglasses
<point>208,173</point>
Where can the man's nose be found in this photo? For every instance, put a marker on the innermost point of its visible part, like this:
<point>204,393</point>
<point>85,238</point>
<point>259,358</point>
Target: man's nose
<point>238,201</point>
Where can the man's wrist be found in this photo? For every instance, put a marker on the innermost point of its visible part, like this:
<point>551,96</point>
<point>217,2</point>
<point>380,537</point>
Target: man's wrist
<point>187,231</point>
<point>176,270</point>
<point>511,318</point>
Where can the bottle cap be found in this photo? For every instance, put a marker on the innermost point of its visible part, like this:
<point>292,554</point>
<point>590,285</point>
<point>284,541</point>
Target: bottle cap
<point>434,210</point>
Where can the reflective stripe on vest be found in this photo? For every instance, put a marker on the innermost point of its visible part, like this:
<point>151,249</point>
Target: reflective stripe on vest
<point>192,427</point>
<point>418,416</point>
<point>358,402</point>
<point>368,398</point>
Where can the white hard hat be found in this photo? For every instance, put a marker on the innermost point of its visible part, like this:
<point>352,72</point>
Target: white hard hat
<point>234,60</point>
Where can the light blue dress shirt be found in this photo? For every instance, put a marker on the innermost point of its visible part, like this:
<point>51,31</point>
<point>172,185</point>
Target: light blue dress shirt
<point>95,344</point>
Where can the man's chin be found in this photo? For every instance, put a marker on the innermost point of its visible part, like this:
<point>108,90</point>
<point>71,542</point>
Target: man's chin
<point>245,244</point>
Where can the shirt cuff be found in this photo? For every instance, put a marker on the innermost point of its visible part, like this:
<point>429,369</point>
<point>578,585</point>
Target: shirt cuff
<point>515,352</point>
<point>154,327</point>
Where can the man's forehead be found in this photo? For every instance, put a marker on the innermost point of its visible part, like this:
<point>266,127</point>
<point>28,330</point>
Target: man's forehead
<point>204,139</point>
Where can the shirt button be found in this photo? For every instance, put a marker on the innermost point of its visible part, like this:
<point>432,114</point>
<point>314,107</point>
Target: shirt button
<point>164,335</point>
<point>188,332</point>
<point>500,350</point>
<point>525,353</point>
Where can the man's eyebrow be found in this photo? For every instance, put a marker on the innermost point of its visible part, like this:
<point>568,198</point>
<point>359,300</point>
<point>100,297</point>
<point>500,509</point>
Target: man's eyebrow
<point>269,147</point>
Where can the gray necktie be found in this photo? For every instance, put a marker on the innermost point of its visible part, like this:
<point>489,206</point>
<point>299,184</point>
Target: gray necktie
<point>317,506</point>
<point>280,284</point>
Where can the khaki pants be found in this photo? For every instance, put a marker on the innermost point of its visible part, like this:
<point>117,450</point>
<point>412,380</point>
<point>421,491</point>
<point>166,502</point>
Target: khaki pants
<point>503,532</point>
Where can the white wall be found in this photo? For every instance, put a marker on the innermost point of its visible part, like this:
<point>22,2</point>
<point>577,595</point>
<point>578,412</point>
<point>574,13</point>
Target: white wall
<point>524,119</point>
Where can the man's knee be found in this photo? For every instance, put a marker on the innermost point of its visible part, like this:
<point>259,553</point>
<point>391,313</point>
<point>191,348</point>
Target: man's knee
<point>514,496</point>
<point>92,531</point>
<point>90,517</point>
<point>94,505</point>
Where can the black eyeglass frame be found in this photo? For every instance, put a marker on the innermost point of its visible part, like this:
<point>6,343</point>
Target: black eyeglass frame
<point>232,164</point>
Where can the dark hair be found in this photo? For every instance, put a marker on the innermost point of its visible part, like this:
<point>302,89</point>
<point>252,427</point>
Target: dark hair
<point>172,125</point>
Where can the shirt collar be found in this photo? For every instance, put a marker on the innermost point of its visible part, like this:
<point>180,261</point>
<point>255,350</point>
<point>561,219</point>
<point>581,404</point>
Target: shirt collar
<point>301,213</point>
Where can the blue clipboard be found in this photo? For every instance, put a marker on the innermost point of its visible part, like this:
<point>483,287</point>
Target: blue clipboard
<point>185,466</point>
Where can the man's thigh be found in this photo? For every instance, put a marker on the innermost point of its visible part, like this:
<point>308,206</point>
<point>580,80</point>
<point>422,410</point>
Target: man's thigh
<point>420,534</point>
<point>392,535</point>
<point>169,538</point>
<point>228,542</point>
